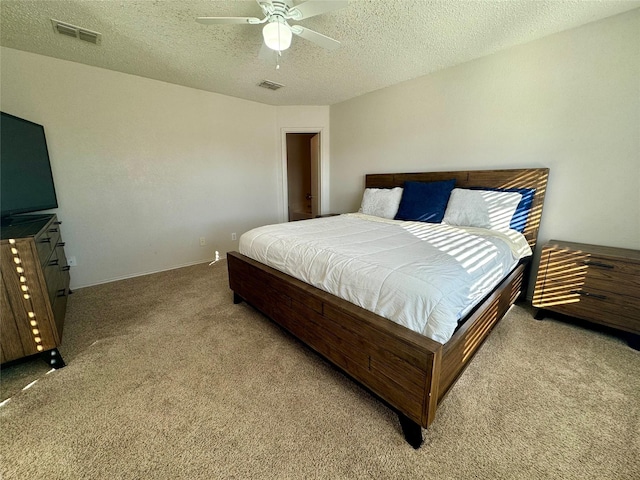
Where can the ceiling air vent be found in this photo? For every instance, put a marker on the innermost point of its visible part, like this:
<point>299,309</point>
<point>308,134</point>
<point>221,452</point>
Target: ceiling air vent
<point>76,32</point>
<point>270,85</point>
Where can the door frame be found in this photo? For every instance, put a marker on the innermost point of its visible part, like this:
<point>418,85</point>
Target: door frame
<point>322,166</point>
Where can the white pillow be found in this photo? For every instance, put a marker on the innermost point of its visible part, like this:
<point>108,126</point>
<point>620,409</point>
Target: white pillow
<point>481,208</point>
<point>381,202</point>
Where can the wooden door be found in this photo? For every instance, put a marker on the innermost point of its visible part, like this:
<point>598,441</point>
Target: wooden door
<point>314,145</point>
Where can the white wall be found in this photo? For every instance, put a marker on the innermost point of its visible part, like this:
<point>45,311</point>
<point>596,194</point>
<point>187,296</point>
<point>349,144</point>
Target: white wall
<point>570,102</point>
<point>143,168</point>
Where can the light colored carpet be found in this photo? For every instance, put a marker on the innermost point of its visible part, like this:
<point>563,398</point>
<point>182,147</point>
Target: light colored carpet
<point>167,379</point>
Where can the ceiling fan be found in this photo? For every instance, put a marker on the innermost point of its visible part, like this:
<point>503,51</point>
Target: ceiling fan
<point>277,32</point>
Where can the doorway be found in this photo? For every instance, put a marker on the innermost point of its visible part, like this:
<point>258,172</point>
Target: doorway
<point>303,167</point>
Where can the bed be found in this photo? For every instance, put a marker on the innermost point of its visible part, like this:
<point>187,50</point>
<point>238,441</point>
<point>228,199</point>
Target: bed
<point>408,370</point>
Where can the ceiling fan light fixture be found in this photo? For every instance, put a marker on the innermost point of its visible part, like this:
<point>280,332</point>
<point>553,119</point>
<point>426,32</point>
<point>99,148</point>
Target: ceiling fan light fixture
<point>277,36</point>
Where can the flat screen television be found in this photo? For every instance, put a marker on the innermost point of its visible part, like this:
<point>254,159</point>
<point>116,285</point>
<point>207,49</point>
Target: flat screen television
<point>26,182</point>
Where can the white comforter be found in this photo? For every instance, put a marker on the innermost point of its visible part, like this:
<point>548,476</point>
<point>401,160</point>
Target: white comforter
<point>424,276</point>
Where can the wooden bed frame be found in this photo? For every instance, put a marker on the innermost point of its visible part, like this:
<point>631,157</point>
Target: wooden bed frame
<point>409,371</point>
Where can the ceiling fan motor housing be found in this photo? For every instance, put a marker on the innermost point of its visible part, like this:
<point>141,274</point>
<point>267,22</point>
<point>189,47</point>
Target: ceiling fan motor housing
<point>277,8</point>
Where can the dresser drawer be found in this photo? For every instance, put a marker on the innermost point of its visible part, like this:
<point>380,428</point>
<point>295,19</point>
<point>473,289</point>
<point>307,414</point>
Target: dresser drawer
<point>52,278</point>
<point>59,307</point>
<point>56,273</point>
<point>46,241</point>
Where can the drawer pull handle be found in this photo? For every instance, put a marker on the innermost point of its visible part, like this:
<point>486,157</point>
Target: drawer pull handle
<point>62,292</point>
<point>66,268</point>
<point>590,295</point>
<point>53,262</point>
<point>45,240</point>
<point>53,230</point>
<point>57,222</point>
<point>591,263</point>
<point>60,244</point>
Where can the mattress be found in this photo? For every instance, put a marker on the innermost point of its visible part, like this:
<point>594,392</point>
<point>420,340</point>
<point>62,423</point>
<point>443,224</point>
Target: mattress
<point>424,276</point>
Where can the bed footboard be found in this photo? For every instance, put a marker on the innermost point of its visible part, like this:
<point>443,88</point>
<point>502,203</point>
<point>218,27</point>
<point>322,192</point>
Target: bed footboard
<point>409,371</point>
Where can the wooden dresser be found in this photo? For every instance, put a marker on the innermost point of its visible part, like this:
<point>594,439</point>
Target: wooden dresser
<point>35,287</point>
<point>591,282</point>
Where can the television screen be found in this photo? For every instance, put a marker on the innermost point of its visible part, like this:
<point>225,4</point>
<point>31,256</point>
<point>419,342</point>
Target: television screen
<point>26,182</point>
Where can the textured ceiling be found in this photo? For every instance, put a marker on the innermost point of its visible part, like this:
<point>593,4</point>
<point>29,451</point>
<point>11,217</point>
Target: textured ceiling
<point>384,42</point>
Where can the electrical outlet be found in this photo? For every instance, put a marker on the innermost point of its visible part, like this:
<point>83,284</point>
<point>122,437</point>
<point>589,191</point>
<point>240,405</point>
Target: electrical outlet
<point>203,242</point>
<point>233,236</point>
<point>71,261</point>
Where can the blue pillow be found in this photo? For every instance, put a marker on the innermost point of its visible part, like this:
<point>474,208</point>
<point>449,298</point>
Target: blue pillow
<point>519,219</point>
<point>425,201</point>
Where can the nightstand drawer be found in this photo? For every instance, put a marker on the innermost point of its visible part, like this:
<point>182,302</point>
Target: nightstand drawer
<point>571,293</point>
<point>620,284</point>
<point>590,279</point>
<point>560,265</point>
<point>609,267</point>
<point>591,309</point>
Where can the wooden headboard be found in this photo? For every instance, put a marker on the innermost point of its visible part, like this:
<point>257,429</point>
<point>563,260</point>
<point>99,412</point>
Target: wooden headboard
<point>517,178</point>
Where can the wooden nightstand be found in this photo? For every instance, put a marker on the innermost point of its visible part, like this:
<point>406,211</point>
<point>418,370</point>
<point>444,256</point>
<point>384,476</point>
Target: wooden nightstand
<point>591,282</point>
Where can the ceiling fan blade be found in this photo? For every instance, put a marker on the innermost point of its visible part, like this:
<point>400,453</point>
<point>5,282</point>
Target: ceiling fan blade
<point>315,37</point>
<point>311,8</point>
<point>265,5</point>
<point>227,20</point>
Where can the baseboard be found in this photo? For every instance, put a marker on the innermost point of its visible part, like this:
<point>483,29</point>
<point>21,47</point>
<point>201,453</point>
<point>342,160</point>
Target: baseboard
<point>151,272</point>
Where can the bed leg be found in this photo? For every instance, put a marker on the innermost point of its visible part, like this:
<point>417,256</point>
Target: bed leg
<point>236,298</point>
<point>411,430</point>
<point>540,314</point>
